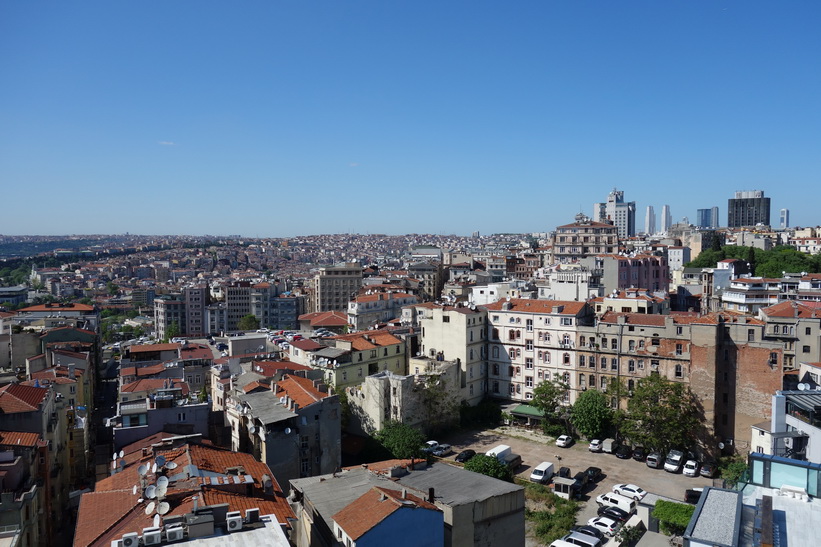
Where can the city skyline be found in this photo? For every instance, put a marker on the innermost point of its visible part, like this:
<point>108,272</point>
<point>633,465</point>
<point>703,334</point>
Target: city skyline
<point>276,120</point>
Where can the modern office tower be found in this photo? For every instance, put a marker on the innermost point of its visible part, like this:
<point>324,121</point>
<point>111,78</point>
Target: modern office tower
<point>784,219</point>
<point>650,221</point>
<point>666,219</point>
<point>335,285</point>
<point>622,214</point>
<point>748,209</point>
<point>707,218</point>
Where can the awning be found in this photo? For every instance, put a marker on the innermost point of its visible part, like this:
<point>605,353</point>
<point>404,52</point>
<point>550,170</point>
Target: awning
<point>527,411</point>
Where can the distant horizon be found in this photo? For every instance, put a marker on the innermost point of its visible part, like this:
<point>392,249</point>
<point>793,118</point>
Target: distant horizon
<point>376,117</point>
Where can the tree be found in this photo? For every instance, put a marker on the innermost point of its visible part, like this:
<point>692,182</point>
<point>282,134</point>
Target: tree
<point>490,466</point>
<point>662,414</point>
<point>112,288</point>
<point>591,415</point>
<point>172,331</point>
<point>630,535</point>
<point>249,322</point>
<point>548,397</point>
<point>401,440</point>
<point>441,405</point>
<point>733,469</point>
<point>673,517</point>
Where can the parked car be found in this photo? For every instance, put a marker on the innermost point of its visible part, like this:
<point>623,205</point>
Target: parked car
<point>629,491</point>
<point>590,531</point>
<point>609,446</point>
<point>465,455</point>
<point>593,474</point>
<point>619,515</point>
<point>582,478</point>
<point>708,469</point>
<point>564,441</point>
<point>691,468</point>
<point>607,525</point>
<point>595,445</point>
<point>564,472</point>
<point>674,460</point>
<point>654,460</point>
<point>443,450</point>
<point>639,453</point>
<point>430,446</point>
<point>222,346</point>
<point>624,452</point>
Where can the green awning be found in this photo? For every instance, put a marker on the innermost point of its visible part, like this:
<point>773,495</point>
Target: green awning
<point>527,411</point>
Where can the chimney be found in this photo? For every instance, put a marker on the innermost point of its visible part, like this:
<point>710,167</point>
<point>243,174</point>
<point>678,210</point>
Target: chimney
<point>404,493</point>
<point>430,494</point>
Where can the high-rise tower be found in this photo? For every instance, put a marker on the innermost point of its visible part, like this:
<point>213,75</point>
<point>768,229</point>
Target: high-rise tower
<point>621,213</point>
<point>650,221</point>
<point>748,209</point>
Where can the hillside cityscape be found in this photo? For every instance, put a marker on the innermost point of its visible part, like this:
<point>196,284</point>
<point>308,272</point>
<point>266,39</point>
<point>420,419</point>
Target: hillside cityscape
<point>617,379</point>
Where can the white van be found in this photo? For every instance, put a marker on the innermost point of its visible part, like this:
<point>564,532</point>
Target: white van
<point>582,540</point>
<point>542,473</point>
<point>616,500</point>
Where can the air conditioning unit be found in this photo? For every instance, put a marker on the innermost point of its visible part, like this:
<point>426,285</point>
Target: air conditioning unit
<point>152,536</point>
<point>252,515</point>
<point>233,521</point>
<point>174,533</point>
<point>131,539</point>
<point>788,442</point>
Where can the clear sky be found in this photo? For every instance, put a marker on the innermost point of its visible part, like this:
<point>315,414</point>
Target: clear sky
<point>278,118</point>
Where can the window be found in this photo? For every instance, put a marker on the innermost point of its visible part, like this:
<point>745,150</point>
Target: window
<point>750,335</point>
<point>359,371</point>
<point>528,381</point>
<point>567,321</point>
<point>773,359</point>
<point>805,349</point>
<point>614,344</point>
<point>529,325</point>
<point>496,369</point>
<point>631,366</point>
<point>445,319</point>
<point>655,340</point>
<point>529,345</point>
<point>678,349</point>
<point>495,334</point>
<point>654,364</point>
<point>641,344</point>
<point>679,330</point>
<point>385,352</point>
<point>614,364</point>
<point>592,361</point>
<point>373,354</point>
<point>528,396</point>
<point>494,352</point>
<point>566,358</point>
<point>495,386</point>
<point>582,340</point>
<point>604,343</point>
<point>529,362</point>
<point>631,345</point>
<point>808,331</point>
<point>181,416</point>
<point>679,371</point>
<point>604,383</point>
<point>581,361</point>
<point>495,318</point>
<point>604,363</point>
<point>344,375</point>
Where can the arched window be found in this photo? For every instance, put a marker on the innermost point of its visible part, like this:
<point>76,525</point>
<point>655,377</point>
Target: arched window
<point>566,358</point>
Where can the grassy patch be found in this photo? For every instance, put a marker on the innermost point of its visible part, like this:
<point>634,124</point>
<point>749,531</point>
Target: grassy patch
<point>552,516</point>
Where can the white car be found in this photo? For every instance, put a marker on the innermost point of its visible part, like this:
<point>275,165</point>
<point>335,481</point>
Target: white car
<point>606,525</point>
<point>430,446</point>
<point>595,445</point>
<point>629,491</point>
<point>564,441</point>
<point>691,468</point>
<point>443,450</point>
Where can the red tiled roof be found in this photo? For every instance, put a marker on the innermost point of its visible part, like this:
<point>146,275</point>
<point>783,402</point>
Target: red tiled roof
<point>255,385</point>
<point>20,398</point>
<point>373,507</point>
<point>306,345</point>
<point>300,389</point>
<point>325,319</point>
<point>153,384</point>
<point>566,307</point>
<point>791,308</point>
<point>270,368</point>
<point>18,438</point>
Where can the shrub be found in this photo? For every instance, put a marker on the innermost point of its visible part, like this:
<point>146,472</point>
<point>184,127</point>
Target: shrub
<point>673,517</point>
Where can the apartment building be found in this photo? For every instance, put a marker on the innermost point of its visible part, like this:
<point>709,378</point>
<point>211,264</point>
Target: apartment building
<point>644,270</point>
<point>374,307</point>
<point>750,294</point>
<point>334,286</point>
<point>530,341</point>
<point>584,237</point>
<point>457,333</point>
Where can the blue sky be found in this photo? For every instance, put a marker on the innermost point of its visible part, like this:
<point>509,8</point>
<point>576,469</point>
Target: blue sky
<point>278,118</point>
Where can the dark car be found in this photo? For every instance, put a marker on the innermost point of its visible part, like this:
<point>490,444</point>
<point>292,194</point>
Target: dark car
<point>708,469</point>
<point>222,346</point>
<point>639,453</point>
<point>465,455</point>
<point>624,452</point>
<point>582,478</point>
<point>590,531</point>
<point>593,474</point>
<point>614,513</point>
<point>564,472</point>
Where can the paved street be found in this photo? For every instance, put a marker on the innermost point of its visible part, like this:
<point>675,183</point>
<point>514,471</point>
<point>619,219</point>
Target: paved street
<point>535,447</point>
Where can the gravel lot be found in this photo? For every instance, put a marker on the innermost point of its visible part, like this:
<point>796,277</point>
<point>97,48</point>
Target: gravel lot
<point>536,448</point>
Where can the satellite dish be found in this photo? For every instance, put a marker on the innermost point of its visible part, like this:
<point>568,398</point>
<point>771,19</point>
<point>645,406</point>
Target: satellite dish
<point>171,465</point>
<point>154,467</point>
<point>287,430</point>
<point>802,387</point>
<point>156,521</point>
<point>134,490</point>
<point>721,446</point>
<point>122,453</point>
<point>162,482</point>
<point>114,465</point>
<point>151,492</point>
<point>143,469</point>
<point>252,430</point>
<point>150,507</point>
<point>160,461</point>
<point>114,457</point>
<point>163,508</point>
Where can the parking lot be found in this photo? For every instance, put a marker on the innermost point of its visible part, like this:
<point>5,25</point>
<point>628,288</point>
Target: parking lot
<point>536,448</point>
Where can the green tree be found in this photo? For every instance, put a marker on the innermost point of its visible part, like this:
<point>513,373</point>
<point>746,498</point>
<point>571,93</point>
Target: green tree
<point>249,322</point>
<point>401,440</point>
<point>673,517</point>
<point>344,409</point>
<point>661,414</point>
<point>172,331</point>
<point>441,406</point>
<point>548,397</point>
<point>112,288</point>
<point>733,469</point>
<point>490,466</point>
<point>591,414</point>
